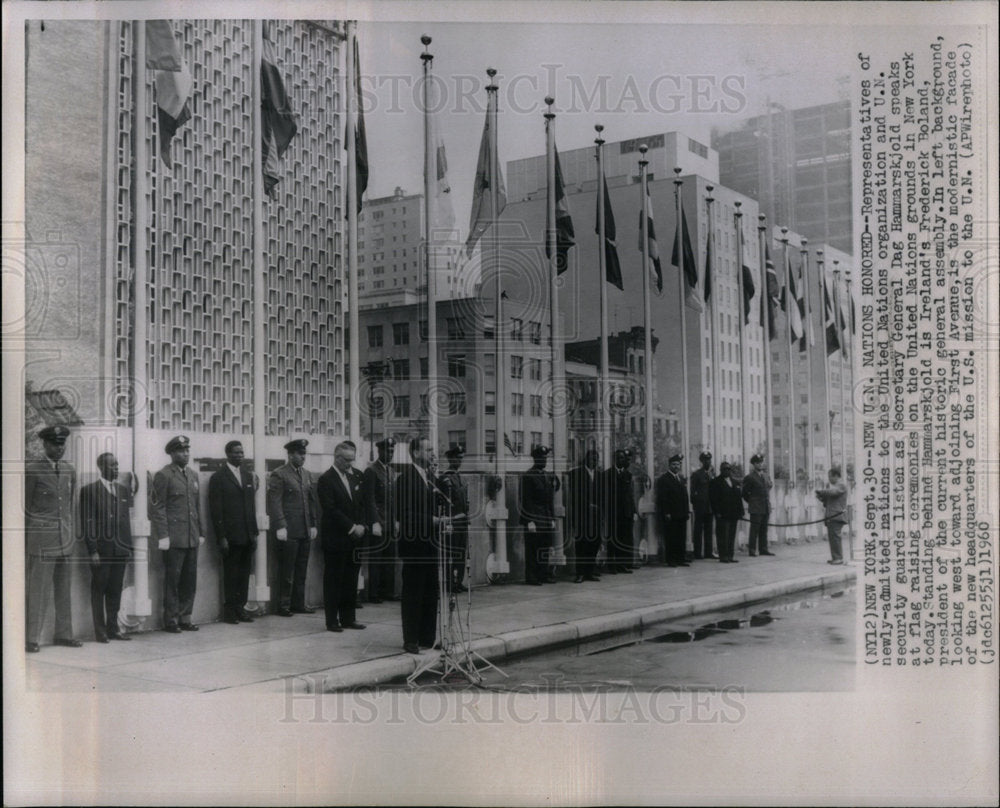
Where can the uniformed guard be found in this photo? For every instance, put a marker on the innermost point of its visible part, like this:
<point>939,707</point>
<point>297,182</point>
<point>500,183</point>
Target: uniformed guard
<point>538,493</point>
<point>757,493</point>
<point>49,536</point>
<point>621,513</point>
<point>585,518</point>
<point>672,511</point>
<point>702,507</point>
<point>457,491</point>
<point>381,552</point>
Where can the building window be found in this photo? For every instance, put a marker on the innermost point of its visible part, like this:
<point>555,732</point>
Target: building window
<point>456,403</point>
<point>374,336</point>
<point>402,407</point>
<point>536,439</point>
<point>642,365</point>
<point>456,438</point>
<point>488,330</point>
<point>517,441</point>
<point>536,406</point>
<point>424,367</point>
<point>401,369</point>
<point>455,330</point>
<point>535,370</point>
<point>456,366</point>
<point>517,367</point>
<point>422,328</point>
<point>517,403</point>
<point>535,332</point>
<point>490,403</point>
<point>423,404</point>
<point>400,333</point>
<point>489,364</point>
<point>490,442</point>
<point>516,329</point>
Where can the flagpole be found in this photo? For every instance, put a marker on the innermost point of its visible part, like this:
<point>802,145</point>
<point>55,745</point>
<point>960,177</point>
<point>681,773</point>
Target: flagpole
<point>828,388</point>
<point>557,556</point>
<point>766,339</point>
<point>837,313</point>
<point>603,384</point>
<point>713,317</point>
<point>744,419</point>
<point>429,176</point>
<point>353,323</point>
<point>261,591</point>
<point>686,439</point>
<point>807,335</point>
<point>141,452</point>
<point>792,475</point>
<point>649,510</point>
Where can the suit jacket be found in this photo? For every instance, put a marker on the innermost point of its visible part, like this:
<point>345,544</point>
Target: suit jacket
<point>232,506</point>
<point>455,488</point>
<point>341,511</point>
<point>538,495</point>
<point>291,501</point>
<point>107,529</point>
<point>726,498</point>
<point>757,492</point>
<point>671,498</point>
<point>174,506</point>
<point>619,498</point>
<point>585,502</point>
<point>700,501</point>
<point>834,501</point>
<point>49,518</point>
<point>377,483</point>
<point>416,506</point>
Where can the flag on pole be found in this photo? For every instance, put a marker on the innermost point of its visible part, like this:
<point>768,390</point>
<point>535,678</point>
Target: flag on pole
<point>440,210</point>
<point>360,136</point>
<point>708,267</point>
<point>278,120</point>
<point>748,292</point>
<point>564,223</point>
<point>792,305</point>
<point>507,443</point>
<point>832,339</point>
<point>482,199</point>
<point>173,83</point>
<point>681,236</point>
<point>654,250</point>
<point>612,267</point>
<point>769,295</point>
<point>846,327</point>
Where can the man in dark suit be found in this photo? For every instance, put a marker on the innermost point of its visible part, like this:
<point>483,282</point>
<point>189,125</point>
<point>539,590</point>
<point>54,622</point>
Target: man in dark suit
<point>175,514</point>
<point>672,511</point>
<point>294,515</point>
<point>621,513</point>
<point>585,501</point>
<point>49,537</point>
<point>538,494</point>
<point>726,500</point>
<point>342,530</point>
<point>456,494</point>
<point>233,511</point>
<point>381,522</point>
<point>107,532</point>
<point>702,530</point>
<point>416,502</point>
<point>757,493</point>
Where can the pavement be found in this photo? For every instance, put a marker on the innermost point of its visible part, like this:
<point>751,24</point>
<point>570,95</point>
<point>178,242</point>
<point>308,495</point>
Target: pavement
<point>274,653</point>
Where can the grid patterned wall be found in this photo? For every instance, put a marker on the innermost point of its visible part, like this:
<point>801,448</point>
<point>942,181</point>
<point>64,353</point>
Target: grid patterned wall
<point>201,245</point>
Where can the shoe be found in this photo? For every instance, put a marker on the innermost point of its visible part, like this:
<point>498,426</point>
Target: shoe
<point>838,563</point>
<point>355,625</point>
<point>578,579</point>
<point>69,643</point>
<point>672,564</point>
<point>32,647</point>
<point>390,598</point>
<point>374,600</point>
<point>284,612</point>
<point>611,570</point>
<point>411,648</point>
<point>358,604</point>
<point>550,579</point>
<point>244,617</point>
<point>766,552</point>
<point>683,564</point>
<point>592,578</point>
<point>172,629</point>
<point>338,629</point>
<point>753,553</point>
<point>101,638</point>
<point>625,570</point>
<point>533,583</point>
<point>188,627</point>
<point>734,561</point>
<point>122,637</point>
<point>712,556</point>
<point>232,620</point>
<point>302,610</point>
<point>697,557</point>
<point>461,588</point>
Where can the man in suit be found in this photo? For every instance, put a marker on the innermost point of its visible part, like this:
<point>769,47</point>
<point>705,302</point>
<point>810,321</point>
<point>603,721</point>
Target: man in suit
<point>233,511</point>
<point>416,501</point>
<point>621,513</point>
<point>175,514</point>
<point>834,501</point>
<point>585,501</point>
<point>107,532</point>
<point>757,493</point>
<point>672,512</point>
<point>702,507</point>
<point>294,515</point>
<point>342,530</point>
<point>538,494</point>
<point>726,501</point>
<point>456,493</point>
<point>381,522</point>
<point>49,536</point>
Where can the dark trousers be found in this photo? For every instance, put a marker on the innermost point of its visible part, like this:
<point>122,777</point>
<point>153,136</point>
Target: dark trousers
<point>180,579</point>
<point>702,535</point>
<point>833,530</point>
<point>620,545</point>
<point>47,574</point>
<point>236,566</point>
<point>293,561</point>
<point>758,532</point>
<point>537,548</point>
<point>586,554</point>
<point>675,539</point>
<point>340,584</point>
<point>381,557</point>
<point>106,579</point>
<point>419,601</point>
<point>458,544</point>
<point>725,537</point>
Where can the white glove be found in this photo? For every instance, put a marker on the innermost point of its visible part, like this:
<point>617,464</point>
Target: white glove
<point>312,533</point>
<point>531,527</point>
<point>635,517</point>
<point>164,543</point>
<point>281,534</point>
<point>201,540</point>
<point>376,529</point>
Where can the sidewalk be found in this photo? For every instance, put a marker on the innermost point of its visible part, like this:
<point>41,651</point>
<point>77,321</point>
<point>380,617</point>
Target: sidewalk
<point>505,620</point>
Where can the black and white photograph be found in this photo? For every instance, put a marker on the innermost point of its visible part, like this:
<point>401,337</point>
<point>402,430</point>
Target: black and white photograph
<point>460,403</point>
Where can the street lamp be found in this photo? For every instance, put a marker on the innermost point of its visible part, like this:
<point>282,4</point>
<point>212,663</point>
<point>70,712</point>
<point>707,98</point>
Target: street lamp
<point>374,372</point>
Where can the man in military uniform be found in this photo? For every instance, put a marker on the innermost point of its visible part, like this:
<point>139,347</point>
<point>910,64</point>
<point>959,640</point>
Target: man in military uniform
<point>49,536</point>
<point>757,493</point>
<point>294,515</point>
<point>702,507</point>
<point>538,493</point>
<point>381,554</point>
<point>727,506</point>
<point>585,515</point>
<point>456,491</point>
<point>621,513</point>
<point>175,514</point>
<point>107,532</point>
<point>672,511</point>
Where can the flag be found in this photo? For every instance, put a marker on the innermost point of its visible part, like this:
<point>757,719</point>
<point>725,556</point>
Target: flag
<point>440,210</point>
<point>482,198</point>
<point>278,121</point>
<point>846,326</point>
<point>708,267</point>
<point>792,305</point>
<point>360,137</point>
<point>807,313</point>
<point>681,235</point>
<point>612,268</point>
<point>748,292</point>
<point>173,83</point>
<point>654,250</point>
<point>507,443</point>
<point>769,295</point>
<point>564,223</point>
<point>832,339</point>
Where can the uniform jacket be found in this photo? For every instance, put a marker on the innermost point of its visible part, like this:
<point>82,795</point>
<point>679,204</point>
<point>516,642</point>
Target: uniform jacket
<point>107,529</point>
<point>538,493</point>
<point>174,506</point>
<point>726,498</point>
<point>416,506</point>
<point>585,502</point>
<point>341,511</point>
<point>834,501</point>
<point>757,492</point>
<point>49,518</point>
<point>378,494</point>
<point>671,498</point>
<point>454,487</point>
<point>291,501</point>
<point>619,498</point>
<point>232,506</point>
<point>700,480</point>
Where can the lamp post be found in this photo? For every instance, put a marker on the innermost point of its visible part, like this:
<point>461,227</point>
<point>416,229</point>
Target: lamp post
<point>375,372</point>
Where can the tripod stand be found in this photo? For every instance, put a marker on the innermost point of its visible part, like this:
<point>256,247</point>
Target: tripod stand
<point>455,654</point>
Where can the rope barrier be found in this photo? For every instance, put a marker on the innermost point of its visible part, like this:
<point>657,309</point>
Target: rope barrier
<point>793,524</point>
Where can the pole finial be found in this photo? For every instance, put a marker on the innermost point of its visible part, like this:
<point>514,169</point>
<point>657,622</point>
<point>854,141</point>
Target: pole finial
<point>677,170</point>
<point>710,188</point>
<point>491,72</point>
<point>784,232</point>
<point>643,149</point>
<point>598,128</point>
<point>426,40</point>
